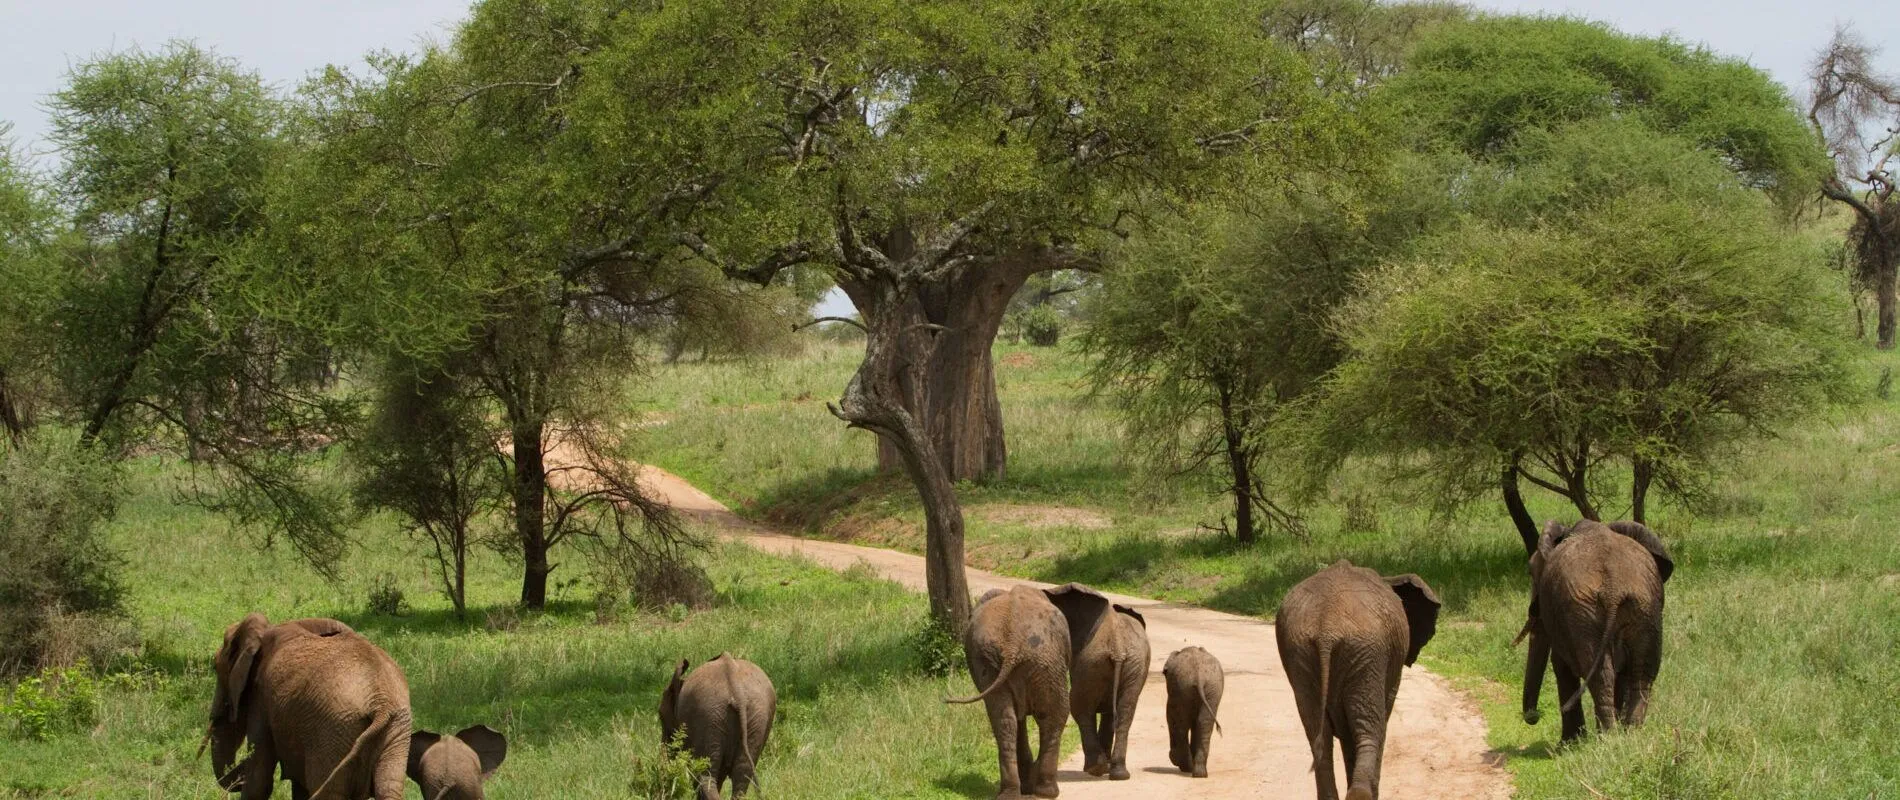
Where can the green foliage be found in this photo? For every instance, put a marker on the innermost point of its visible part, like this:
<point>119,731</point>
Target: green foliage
<point>55,701</point>
<point>54,560</point>
<point>34,284</point>
<point>936,646</point>
<point>1649,309</point>
<point>1477,86</point>
<point>386,597</point>
<point>671,775</point>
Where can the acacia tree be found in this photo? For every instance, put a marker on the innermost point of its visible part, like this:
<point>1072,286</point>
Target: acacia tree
<point>1617,296</point>
<point>28,224</point>
<point>932,156</point>
<point>1855,111</point>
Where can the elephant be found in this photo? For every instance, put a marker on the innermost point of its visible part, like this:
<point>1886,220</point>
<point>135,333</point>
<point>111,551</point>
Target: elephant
<point>1345,633</point>
<point>454,767</point>
<point>1108,667</point>
<point>314,698</point>
<point>721,712</point>
<point>1596,612</point>
<point>1195,682</point>
<point>1017,646</point>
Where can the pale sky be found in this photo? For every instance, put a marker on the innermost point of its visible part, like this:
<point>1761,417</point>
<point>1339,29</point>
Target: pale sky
<point>285,40</point>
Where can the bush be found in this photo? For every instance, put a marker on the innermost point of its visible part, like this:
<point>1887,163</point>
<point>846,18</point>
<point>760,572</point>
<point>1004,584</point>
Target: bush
<point>55,565</point>
<point>661,582</point>
<point>385,596</point>
<point>672,775</point>
<point>937,648</point>
<point>57,700</point>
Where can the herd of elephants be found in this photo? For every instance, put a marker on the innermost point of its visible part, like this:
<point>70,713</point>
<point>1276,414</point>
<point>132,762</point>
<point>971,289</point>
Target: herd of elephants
<point>318,701</point>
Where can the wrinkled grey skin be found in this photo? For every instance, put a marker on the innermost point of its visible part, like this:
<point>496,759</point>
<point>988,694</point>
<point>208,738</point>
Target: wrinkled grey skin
<point>313,698</point>
<point>1345,635</point>
<point>725,708</point>
<point>1596,616</point>
<point>1017,646</point>
<point>1195,682</point>
<point>1107,669</point>
<point>454,767</point>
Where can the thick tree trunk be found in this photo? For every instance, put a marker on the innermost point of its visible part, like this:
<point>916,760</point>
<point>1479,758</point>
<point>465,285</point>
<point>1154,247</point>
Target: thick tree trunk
<point>1884,302</point>
<point>879,398</point>
<point>11,416</point>
<point>1514,503</point>
<point>1643,472</point>
<point>952,393</point>
<point>531,490</point>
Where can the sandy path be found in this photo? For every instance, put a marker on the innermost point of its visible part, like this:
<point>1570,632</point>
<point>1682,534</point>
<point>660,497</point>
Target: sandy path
<point>1435,747</point>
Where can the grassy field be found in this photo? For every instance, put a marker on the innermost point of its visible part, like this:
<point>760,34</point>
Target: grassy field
<point>575,694</point>
<point>1782,665</point>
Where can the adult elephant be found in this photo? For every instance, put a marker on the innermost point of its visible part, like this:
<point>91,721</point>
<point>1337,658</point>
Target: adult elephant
<point>1108,668</point>
<point>1017,647</point>
<point>315,698</point>
<point>1345,635</point>
<point>1596,612</point>
<point>722,712</point>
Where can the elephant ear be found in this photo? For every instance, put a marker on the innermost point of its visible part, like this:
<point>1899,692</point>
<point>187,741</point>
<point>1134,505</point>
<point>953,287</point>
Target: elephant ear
<point>1421,611</point>
<point>1665,566</point>
<point>322,626</point>
<point>1083,607</point>
<point>669,702</point>
<point>1122,609</point>
<point>242,644</point>
<point>419,742</point>
<point>989,595</point>
<point>1554,534</point>
<point>490,746</point>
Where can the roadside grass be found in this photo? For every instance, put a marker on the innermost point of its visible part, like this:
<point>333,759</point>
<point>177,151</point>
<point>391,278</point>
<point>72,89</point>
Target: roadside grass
<point>575,695</point>
<point>1780,676</point>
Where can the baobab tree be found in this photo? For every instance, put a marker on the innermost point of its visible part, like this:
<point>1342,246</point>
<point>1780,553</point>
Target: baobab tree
<point>1855,111</point>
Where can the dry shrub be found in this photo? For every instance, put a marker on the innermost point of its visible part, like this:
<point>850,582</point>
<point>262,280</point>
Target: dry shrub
<point>663,582</point>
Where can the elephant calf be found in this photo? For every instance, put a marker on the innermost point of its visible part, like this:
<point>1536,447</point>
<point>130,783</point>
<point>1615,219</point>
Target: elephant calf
<point>724,710</point>
<point>1018,650</point>
<point>1596,611</point>
<point>454,767</point>
<point>1195,682</point>
<point>1345,634</point>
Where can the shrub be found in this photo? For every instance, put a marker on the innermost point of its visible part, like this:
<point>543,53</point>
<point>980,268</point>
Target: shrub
<point>937,648</point>
<point>57,700</point>
<point>385,596</point>
<point>666,581</point>
<point>672,775</point>
<point>55,564</point>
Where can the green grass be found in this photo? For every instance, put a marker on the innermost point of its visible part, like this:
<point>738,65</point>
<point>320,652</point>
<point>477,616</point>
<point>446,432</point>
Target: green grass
<point>1782,652</point>
<point>577,698</point>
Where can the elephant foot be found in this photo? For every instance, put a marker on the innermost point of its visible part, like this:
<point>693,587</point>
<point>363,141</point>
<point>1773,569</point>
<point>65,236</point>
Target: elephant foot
<point>1098,770</point>
<point>1119,772</point>
<point>1048,790</point>
<point>1179,760</point>
<point>1199,773</point>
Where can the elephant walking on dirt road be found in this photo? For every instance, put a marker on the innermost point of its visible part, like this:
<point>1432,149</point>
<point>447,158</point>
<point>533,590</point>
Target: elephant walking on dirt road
<point>1017,647</point>
<point>1108,668</point>
<point>314,698</point>
<point>1345,636</point>
<point>1596,612</point>
<point>724,710</point>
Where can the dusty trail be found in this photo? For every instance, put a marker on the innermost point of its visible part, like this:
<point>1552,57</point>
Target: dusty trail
<point>1435,745</point>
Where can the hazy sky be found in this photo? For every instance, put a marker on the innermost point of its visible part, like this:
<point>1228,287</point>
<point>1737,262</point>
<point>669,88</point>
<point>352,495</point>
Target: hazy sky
<point>284,39</point>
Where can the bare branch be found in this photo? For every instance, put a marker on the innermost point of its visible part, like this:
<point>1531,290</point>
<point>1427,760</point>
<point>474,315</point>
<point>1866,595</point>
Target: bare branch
<point>846,320</point>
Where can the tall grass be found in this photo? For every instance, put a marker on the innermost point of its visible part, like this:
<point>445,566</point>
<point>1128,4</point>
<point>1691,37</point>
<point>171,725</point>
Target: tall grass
<point>1781,673</point>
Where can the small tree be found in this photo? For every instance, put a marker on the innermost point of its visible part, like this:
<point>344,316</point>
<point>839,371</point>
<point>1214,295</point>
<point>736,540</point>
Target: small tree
<point>1619,296</point>
<point>34,284</point>
<point>55,496</point>
<point>1855,111</point>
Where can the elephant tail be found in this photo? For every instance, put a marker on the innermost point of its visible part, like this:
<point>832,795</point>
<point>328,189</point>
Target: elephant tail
<point>1210,708</point>
<point>379,728</point>
<point>1002,679</point>
<point>1595,664</point>
<point>1325,716</point>
<point>751,759</point>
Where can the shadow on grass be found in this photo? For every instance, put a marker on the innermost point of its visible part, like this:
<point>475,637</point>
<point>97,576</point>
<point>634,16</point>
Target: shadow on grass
<point>967,783</point>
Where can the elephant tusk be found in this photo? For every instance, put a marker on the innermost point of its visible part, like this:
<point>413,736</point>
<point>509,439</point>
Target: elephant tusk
<point>1529,626</point>
<point>202,743</point>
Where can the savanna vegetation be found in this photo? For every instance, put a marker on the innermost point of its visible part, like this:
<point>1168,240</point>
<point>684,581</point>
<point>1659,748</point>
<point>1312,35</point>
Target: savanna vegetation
<point>1278,282</point>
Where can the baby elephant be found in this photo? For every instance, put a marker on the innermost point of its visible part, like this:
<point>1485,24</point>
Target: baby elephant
<point>725,708</point>
<point>1345,635</point>
<point>1195,682</point>
<point>453,767</point>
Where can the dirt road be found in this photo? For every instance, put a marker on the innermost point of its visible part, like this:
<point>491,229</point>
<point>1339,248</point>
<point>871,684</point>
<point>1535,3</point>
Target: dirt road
<point>1435,747</point>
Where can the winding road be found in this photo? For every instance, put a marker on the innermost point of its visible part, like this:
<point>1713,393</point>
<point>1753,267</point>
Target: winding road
<point>1435,746</point>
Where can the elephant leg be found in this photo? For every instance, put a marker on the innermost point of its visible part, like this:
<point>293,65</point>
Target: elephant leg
<point>1603,694</point>
<point>260,772</point>
<point>1180,733</point>
<point>1049,729</point>
<point>709,787</point>
<point>1566,688</point>
<point>1124,718</point>
<point>1323,779</point>
<point>1364,746</point>
<point>1003,725</point>
<point>1202,741</point>
<point>1025,756</point>
<point>1094,759</point>
<point>387,782</point>
<point>741,783</point>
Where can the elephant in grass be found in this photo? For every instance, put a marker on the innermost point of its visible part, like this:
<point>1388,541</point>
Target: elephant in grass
<point>1108,667</point>
<point>454,767</point>
<point>1596,616</point>
<point>1345,635</point>
<point>314,698</point>
<point>1017,647</point>
<point>721,712</point>
<point>1195,682</point>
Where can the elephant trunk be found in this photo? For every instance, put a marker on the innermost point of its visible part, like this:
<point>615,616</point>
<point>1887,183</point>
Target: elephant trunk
<point>225,737</point>
<point>1534,666</point>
